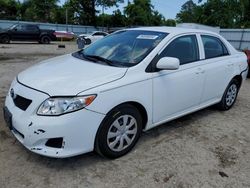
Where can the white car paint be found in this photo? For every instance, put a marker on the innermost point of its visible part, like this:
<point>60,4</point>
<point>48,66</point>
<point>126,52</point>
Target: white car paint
<point>94,36</point>
<point>165,94</point>
<point>70,75</point>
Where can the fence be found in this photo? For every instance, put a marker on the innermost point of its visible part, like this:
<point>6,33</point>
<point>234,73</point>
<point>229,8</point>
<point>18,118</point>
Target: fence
<point>239,38</point>
<point>77,29</point>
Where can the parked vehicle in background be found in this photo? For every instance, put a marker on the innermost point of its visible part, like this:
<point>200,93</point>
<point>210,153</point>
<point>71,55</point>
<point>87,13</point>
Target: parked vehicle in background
<point>102,97</point>
<point>247,52</point>
<point>93,36</point>
<point>26,32</point>
<point>64,35</point>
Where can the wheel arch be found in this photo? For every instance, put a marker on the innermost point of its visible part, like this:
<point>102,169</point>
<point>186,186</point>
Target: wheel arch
<point>2,34</point>
<point>44,34</point>
<point>239,79</point>
<point>142,110</point>
<point>139,107</point>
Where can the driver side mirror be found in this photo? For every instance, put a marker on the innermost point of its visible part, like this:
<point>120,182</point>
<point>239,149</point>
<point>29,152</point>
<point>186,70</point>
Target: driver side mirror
<point>168,63</point>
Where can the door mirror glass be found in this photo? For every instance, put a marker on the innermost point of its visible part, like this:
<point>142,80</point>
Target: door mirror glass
<point>80,43</point>
<point>168,63</point>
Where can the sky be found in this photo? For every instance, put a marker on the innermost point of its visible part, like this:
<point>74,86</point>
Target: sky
<point>168,8</point>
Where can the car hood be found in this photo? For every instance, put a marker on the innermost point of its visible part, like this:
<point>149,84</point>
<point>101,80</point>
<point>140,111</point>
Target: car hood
<point>67,75</point>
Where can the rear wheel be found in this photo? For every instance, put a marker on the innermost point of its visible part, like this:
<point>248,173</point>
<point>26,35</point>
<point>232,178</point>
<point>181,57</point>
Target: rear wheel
<point>119,132</point>
<point>5,39</point>
<point>230,95</point>
<point>45,39</point>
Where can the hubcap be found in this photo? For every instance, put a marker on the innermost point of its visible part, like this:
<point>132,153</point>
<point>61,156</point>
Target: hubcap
<point>122,132</point>
<point>231,94</point>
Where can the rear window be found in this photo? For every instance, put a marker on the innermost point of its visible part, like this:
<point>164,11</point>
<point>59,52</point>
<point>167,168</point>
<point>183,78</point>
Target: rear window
<point>213,47</point>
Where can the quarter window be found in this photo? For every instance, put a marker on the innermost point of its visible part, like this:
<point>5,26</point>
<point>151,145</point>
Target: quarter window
<point>213,47</point>
<point>184,48</point>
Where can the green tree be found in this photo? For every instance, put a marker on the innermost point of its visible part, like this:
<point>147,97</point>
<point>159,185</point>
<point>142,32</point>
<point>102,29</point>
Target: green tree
<point>170,22</point>
<point>118,19</point>
<point>84,11</point>
<point>223,13</point>
<point>39,10</point>
<point>9,9</point>
<point>187,13</point>
<point>142,13</point>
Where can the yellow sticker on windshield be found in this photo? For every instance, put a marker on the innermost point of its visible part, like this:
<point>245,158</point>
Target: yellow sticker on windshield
<point>149,37</point>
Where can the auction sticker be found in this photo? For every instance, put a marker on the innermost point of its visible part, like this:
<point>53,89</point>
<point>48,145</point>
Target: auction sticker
<point>149,37</point>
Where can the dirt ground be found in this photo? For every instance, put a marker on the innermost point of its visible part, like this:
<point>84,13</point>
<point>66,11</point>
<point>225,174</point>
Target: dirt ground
<point>208,148</point>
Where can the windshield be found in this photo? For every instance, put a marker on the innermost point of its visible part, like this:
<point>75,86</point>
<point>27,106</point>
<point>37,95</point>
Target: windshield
<point>13,26</point>
<point>124,48</point>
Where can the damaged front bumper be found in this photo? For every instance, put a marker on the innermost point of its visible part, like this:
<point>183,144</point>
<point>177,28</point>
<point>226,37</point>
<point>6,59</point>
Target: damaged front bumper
<point>58,136</point>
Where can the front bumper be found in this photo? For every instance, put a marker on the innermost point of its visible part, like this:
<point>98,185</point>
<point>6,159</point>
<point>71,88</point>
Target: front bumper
<point>77,129</point>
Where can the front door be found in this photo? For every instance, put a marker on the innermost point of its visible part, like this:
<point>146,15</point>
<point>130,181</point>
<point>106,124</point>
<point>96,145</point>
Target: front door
<point>178,91</point>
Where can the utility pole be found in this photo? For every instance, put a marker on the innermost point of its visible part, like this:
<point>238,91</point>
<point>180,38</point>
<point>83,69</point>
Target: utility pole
<point>103,17</point>
<point>66,15</point>
<point>67,19</point>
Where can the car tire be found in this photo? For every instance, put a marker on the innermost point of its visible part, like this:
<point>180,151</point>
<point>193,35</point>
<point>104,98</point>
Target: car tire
<point>119,131</point>
<point>229,96</point>
<point>5,39</point>
<point>45,39</point>
<point>87,41</point>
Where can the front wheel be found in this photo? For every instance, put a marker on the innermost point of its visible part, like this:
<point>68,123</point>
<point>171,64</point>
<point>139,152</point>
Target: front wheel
<point>119,132</point>
<point>5,39</point>
<point>45,40</point>
<point>230,95</point>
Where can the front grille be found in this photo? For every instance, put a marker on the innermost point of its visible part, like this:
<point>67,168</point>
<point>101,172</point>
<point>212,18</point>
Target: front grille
<point>22,102</point>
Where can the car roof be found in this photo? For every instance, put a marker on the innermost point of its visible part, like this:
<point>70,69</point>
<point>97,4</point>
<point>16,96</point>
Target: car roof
<point>173,30</point>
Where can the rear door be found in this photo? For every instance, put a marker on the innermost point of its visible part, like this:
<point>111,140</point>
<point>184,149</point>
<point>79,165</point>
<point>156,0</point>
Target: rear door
<point>218,67</point>
<point>32,32</point>
<point>178,91</point>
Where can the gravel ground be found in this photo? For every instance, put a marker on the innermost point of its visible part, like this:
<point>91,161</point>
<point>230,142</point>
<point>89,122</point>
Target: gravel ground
<point>208,148</point>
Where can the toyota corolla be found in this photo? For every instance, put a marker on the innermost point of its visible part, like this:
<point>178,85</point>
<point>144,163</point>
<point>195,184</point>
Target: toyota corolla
<point>102,97</point>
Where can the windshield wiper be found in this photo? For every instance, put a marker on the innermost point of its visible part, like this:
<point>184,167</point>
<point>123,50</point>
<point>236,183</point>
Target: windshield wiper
<point>99,58</point>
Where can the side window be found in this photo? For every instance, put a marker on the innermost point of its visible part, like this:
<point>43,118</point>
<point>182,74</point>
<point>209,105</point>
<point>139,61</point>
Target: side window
<point>31,28</point>
<point>96,34</point>
<point>213,47</point>
<point>19,27</point>
<point>99,34</point>
<point>184,48</point>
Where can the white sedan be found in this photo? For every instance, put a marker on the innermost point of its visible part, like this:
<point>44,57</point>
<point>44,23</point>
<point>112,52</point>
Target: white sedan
<point>102,98</point>
<point>93,36</point>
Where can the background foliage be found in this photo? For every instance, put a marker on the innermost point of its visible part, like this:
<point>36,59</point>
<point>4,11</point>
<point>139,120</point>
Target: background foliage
<point>223,13</point>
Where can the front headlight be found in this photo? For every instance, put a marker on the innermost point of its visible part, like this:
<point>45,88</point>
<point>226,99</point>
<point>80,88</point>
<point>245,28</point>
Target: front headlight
<point>61,105</point>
